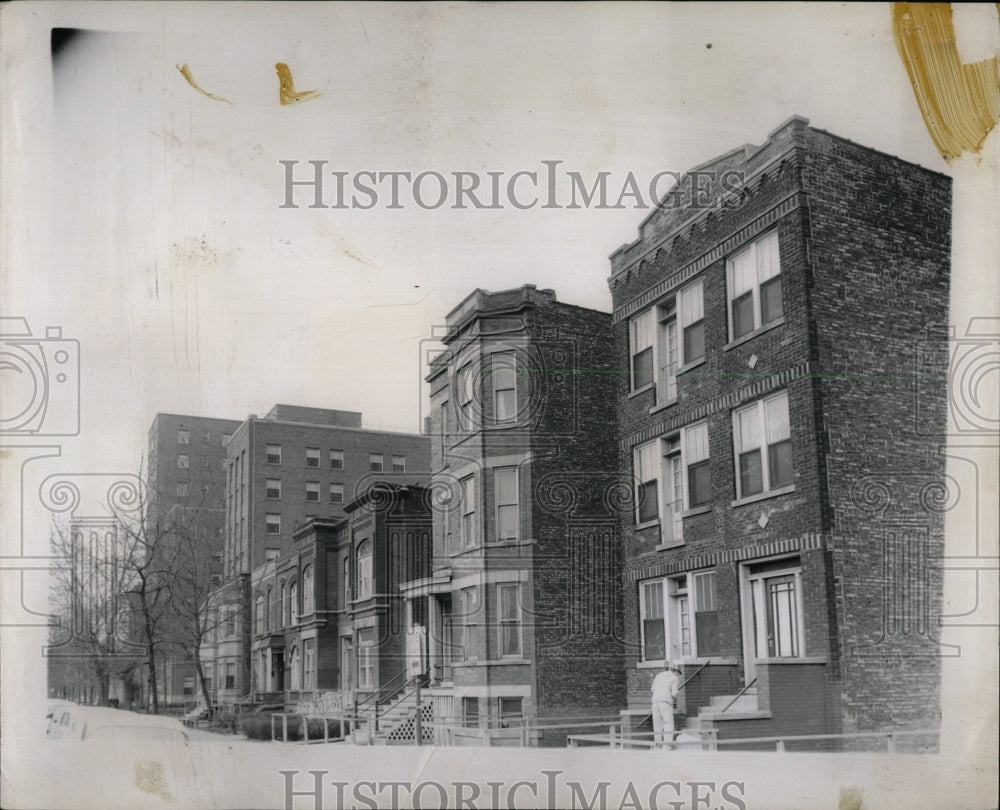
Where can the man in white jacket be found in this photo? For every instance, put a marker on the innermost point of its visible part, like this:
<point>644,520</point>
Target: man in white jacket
<point>665,687</point>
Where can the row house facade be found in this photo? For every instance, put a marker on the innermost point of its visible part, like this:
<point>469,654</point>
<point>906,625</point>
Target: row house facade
<point>521,607</point>
<point>328,614</point>
<point>782,441</point>
<point>292,467</point>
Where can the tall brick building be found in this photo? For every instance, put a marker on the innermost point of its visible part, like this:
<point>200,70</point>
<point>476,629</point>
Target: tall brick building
<point>293,465</point>
<point>786,448</point>
<point>185,478</point>
<point>521,608</point>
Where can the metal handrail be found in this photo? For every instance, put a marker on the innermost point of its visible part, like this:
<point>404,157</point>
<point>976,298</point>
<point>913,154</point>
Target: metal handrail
<point>395,684</point>
<point>743,691</point>
<point>686,682</point>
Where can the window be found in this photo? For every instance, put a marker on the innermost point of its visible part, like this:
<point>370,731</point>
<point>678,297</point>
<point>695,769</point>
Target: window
<point>699,478</point>
<point>182,490</point>
<point>466,395</point>
<point>189,684</point>
<point>230,623</point>
<point>375,462</point>
<point>672,475</point>
<point>470,712</point>
<point>283,606</point>
<point>293,603</point>
<point>309,663</point>
<point>365,570</point>
<point>206,437</point>
<point>511,711</point>
<point>268,611</point>
<point>665,338</point>
<point>347,580</point>
<point>641,343</point>
<point>762,435</point>
<point>258,615</point>
<point>508,515</point>
<point>312,491</point>
<point>312,457</point>
<point>504,387</point>
<point>274,454</point>
<point>509,613</point>
<point>468,511</point>
<point>182,462</point>
<point>646,483</point>
<point>366,658</point>
<point>204,462</point>
<point>668,629</point>
<point>336,493</point>
<point>336,459</point>
<point>754,280</point>
<point>307,590</point>
<point>272,523</point>
<point>776,608</point>
<point>469,610</point>
<point>183,437</point>
<point>706,613</point>
<point>230,675</point>
<point>399,464</point>
<point>293,668</point>
<point>272,489</point>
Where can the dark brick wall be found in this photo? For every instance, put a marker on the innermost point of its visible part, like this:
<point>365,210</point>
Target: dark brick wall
<point>864,244</point>
<point>880,248</point>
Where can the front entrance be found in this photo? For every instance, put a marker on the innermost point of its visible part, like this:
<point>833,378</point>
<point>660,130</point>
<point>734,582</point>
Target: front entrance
<point>278,670</point>
<point>771,593</point>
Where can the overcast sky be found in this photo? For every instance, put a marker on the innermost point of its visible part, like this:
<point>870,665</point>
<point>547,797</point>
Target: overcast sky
<point>158,241</point>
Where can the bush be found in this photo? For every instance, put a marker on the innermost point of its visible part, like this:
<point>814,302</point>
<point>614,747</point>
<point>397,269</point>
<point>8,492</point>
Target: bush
<point>258,727</point>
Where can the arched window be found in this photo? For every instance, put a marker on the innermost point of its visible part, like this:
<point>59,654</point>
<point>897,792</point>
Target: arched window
<point>294,666</point>
<point>269,611</point>
<point>293,599</point>
<point>308,601</point>
<point>258,615</point>
<point>366,585</point>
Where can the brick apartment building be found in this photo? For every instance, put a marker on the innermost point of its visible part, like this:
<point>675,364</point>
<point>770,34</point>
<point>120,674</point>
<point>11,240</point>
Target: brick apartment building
<point>329,620</point>
<point>521,607</point>
<point>186,471</point>
<point>293,465</point>
<point>786,535</point>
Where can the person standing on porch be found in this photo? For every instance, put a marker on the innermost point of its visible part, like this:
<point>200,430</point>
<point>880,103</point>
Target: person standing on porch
<point>664,693</point>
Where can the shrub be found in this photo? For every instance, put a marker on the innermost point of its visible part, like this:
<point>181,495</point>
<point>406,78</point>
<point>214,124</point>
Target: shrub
<point>258,727</point>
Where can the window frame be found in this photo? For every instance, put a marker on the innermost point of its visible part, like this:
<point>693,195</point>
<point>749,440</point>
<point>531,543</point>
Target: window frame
<point>312,489</point>
<point>398,464</point>
<point>509,628</point>
<point>763,447</point>
<point>183,436</point>
<point>336,459</point>
<point>272,454</point>
<point>268,523</point>
<point>312,458</point>
<point>510,719</point>
<point>338,489</point>
<point>365,571</point>
<point>308,585</point>
<point>679,599</point>
<point>500,505</point>
<point>380,463</point>
<point>504,361</point>
<point>468,506</point>
<point>756,250</point>
<point>268,489</point>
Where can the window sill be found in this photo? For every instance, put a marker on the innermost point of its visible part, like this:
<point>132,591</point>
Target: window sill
<point>642,390</point>
<point>668,546</point>
<point>662,407</point>
<point>805,659</point>
<point>649,524</point>
<point>760,330</point>
<point>763,496</point>
<point>693,364</point>
<point>697,510</point>
<point>691,662</point>
<point>494,662</point>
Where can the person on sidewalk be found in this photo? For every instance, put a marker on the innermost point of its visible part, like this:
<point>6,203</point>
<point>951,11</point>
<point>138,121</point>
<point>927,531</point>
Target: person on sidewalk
<point>665,687</point>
